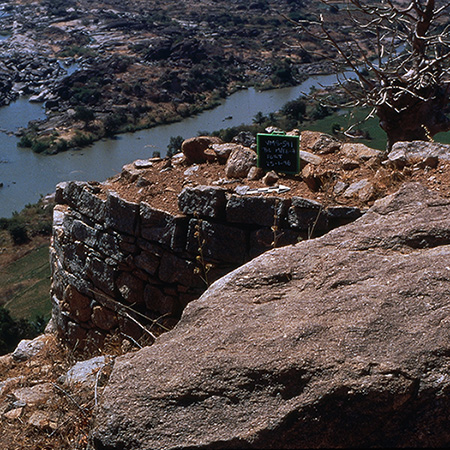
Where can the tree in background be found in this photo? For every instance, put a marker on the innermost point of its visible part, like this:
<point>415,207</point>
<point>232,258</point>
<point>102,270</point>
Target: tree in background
<point>17,228</point>
<point>84,114</point>
<point>13,331</point>
<point>295,109</point>
<point>174,145</point>
<point>399,51</point>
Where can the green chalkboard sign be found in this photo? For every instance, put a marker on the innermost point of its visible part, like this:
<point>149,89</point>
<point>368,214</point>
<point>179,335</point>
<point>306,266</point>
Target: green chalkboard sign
<point>278,152</point>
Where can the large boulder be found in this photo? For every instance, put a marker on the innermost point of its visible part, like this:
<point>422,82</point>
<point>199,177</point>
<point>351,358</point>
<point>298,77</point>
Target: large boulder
<point>194,148</point>
<point>318,142</point>
<point>240,162</point>
<point>340,341</point>
<point>360,152</point>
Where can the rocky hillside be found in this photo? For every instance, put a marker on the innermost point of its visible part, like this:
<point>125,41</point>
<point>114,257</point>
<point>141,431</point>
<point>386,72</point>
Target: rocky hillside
<point>332,171</point>
<point>135,64</point>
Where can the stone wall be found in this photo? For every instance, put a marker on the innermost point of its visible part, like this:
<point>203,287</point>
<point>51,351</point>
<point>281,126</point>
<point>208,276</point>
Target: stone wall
<point>118,265</point>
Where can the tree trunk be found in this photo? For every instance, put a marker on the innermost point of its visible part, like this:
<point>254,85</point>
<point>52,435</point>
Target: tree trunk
<point>420,120</point>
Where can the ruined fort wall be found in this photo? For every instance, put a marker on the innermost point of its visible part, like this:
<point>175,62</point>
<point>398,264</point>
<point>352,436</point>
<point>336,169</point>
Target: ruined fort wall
<point>115,262</point>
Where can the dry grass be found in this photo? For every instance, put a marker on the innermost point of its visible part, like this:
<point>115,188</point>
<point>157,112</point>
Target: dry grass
<point>63,419</point>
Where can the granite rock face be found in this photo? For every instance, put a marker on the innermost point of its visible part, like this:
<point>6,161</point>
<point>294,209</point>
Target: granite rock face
<point>339,341</point>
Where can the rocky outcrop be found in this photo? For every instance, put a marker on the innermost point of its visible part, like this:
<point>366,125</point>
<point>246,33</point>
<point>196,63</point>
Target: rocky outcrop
<point>318,142</point>
<point>423,154</point>
<point>340,341</point>
<point>43,392</point>
<point>194,148</point>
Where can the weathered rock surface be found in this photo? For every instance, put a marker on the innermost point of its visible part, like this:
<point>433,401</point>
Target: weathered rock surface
<point>340,341</point>
<point>194,148</point>
<point>240,162</point>
<point>418,152</point>
<point>86,372</point>
<point>359,151</point>
<point>28,348</point>
<point>318,142</point>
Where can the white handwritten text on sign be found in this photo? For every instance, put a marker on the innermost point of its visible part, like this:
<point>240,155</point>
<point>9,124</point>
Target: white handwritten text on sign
<point>278,152</point>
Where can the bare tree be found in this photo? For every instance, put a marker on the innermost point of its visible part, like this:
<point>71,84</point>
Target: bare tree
<point>400,53</point>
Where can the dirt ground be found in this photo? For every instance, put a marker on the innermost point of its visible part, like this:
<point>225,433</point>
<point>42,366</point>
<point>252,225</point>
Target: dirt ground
<point>160,184</point>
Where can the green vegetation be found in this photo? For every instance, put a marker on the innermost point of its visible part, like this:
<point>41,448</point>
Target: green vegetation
<point>283,73</point>
<point>28,285</point>
<point>13,331</point>
<point>84,114</point>
<point>59,7</point>
<point>25,278</point>
<point>33,220</point>
<point>367,131</point>
<point>114,122</point>
<point>85,94</point>
<point>295,110</point>
<point>174,145</point>
<point>56,144</point>
<point>76,50</point>
<point>81,139</point>
<point>305,114</point>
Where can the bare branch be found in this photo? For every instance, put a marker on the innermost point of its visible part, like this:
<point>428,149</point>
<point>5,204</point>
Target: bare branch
<point>400,55</point>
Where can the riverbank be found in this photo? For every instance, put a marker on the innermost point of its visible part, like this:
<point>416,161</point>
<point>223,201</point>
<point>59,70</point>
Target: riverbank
<point>140,65</point>
<point>27,175</point>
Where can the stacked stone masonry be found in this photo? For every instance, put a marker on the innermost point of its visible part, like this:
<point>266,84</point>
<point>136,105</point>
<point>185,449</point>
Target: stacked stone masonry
<point>115,261</point>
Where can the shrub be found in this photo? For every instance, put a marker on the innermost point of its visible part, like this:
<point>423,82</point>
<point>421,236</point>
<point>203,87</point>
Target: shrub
<point>283,72</point>
<point>84,114</point>
<point>113,122</point>
<point>39,146</point>
<point>18,231</point>
<point>174,145</point>
<point>260,118</point>
<point>319,112</point>
<point>80,139</point>
<point>295,109</point>
<point>4,223</point>
<point>43,227</point>
<point>25,141</point>
<point>61,145</point>
<point>87,95</point>
<point>13,331</point>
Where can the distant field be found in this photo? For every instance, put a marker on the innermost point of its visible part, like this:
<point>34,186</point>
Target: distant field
<point>25,285</point>
<point>378,136</point>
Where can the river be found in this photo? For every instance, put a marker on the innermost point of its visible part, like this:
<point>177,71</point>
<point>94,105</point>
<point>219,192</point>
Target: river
<point>27,176</point>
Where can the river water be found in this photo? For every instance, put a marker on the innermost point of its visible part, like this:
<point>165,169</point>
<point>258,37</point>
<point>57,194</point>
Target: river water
<point>27,176</point>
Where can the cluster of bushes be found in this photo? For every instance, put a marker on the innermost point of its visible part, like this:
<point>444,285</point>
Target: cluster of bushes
<point>12,331</point>
<point>76,50</point>
<point>53,144</point>
<point>293,114</point>
<point>284,73</point>
<point>204,77</point>
<point>60,7</point>
<point>33,220</point>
